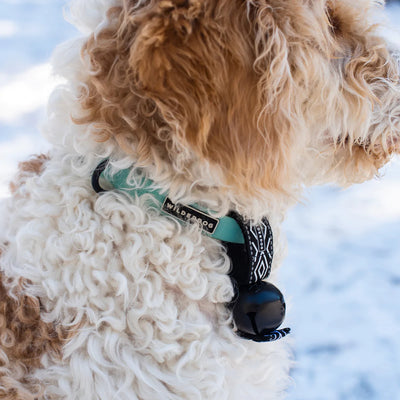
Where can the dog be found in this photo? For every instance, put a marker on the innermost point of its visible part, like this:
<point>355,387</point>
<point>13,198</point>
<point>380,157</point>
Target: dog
<point>226,109</point>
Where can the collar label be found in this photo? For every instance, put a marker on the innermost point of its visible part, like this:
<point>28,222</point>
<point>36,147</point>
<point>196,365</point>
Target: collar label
<point>190,214</point>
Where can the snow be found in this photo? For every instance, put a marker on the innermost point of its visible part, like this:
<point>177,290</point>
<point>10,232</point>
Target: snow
<point>7,28</point>
<point>341,277</point>
<point>29,31</point>
<point>25,93</point>
<point>343,282</point>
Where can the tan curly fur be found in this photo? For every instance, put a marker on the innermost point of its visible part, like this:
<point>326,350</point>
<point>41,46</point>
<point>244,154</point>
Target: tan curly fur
<point>26,169</point>
<point>24,339</point>
<point>24,336</point>
<point>238,82</point>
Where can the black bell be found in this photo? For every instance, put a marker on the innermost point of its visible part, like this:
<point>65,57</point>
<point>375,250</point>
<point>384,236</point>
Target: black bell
<point>259,309</point>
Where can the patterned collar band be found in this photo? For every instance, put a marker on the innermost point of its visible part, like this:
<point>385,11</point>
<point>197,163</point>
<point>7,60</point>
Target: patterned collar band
<point>258,307</point>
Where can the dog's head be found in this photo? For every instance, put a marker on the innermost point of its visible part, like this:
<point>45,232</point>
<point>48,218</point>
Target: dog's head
<point>273,93</point>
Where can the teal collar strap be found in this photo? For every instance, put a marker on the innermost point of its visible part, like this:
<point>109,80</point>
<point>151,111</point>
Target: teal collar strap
<point>225,229</point>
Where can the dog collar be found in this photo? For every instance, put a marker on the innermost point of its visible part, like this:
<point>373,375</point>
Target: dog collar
<point>258,307</point>
<point>225,228</point>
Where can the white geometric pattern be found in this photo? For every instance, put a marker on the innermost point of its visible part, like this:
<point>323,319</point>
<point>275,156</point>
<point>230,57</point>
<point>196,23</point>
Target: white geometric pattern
<point>261,249</point>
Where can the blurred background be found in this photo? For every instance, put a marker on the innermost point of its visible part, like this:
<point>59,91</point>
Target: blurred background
<point>342,273</point>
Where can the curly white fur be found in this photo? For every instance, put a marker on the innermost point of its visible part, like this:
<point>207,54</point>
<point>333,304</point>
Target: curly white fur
<point>144,296</point>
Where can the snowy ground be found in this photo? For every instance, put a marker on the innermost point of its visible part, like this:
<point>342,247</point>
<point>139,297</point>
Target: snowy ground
<point>342,274</point>
<point>29,31</point>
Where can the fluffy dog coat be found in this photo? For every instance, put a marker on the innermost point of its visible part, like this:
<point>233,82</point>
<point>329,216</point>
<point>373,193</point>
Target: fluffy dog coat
<point>234,104</point>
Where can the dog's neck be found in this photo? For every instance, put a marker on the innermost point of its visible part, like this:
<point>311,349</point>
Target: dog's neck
<point>201,182</point>
<point>249,246</point>
<point>224,228</point>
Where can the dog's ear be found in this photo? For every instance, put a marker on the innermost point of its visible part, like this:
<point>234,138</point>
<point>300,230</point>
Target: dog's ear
<point>215,76</point>
<point>220,75</point>
<point>171,57</point>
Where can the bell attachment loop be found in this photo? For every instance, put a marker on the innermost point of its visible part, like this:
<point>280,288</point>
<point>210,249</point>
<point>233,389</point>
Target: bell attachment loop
<point>269,337</point>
